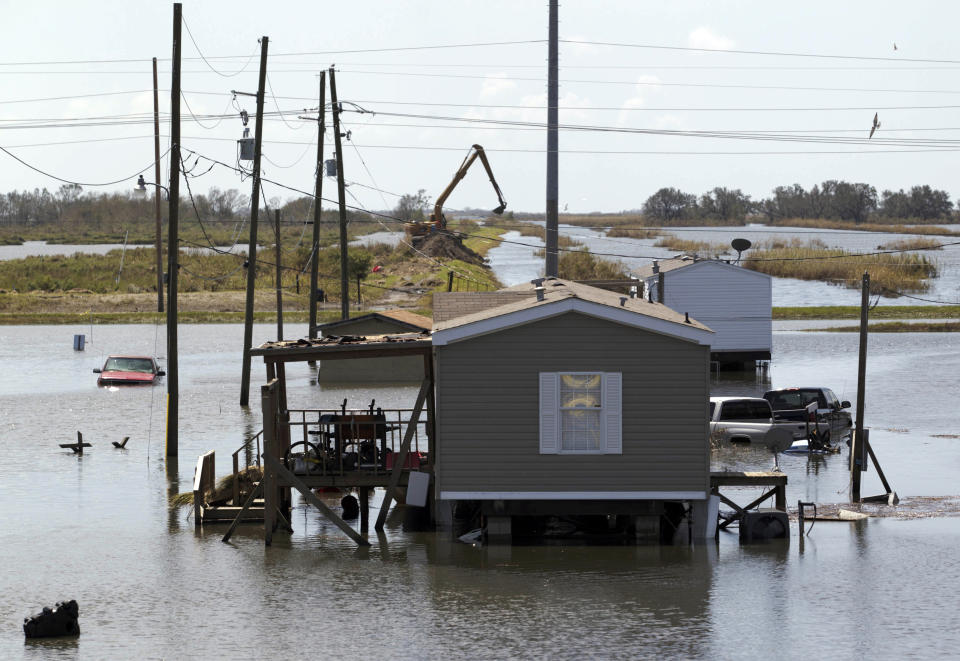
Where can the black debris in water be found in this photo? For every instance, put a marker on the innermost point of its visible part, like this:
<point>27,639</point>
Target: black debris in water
<point>58,621</point>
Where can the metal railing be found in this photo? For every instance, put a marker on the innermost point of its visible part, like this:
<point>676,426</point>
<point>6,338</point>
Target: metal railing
<point>247,448</point>
<point>327,442</point>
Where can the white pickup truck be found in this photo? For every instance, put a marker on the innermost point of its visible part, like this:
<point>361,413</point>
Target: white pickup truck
<point>748,420</point>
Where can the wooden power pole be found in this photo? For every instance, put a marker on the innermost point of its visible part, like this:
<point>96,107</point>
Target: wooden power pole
<point>254,213</point>
<point>857,453</point>
<point>279,278</point>
<point>156,187</point>
<point>341,194</point>
<point>317,194</point>
<point>552,269</point>
<point>173,246</point>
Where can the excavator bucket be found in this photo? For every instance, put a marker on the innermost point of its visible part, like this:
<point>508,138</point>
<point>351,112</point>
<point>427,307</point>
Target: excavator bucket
<point>499,210</point>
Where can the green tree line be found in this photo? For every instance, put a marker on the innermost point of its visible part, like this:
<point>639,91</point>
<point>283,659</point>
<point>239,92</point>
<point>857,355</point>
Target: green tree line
<point>832,200</point>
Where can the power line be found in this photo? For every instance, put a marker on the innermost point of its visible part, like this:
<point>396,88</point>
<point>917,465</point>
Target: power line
<point>205,61</point>
<point>733,51</point>
<point>644,83</point>
<point>80,183</point>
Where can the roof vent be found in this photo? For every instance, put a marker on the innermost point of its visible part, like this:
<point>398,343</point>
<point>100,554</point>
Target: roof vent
<point>686,316</point>
<point>623,301</point>
<point>538,287</point>
<point>656,266</point>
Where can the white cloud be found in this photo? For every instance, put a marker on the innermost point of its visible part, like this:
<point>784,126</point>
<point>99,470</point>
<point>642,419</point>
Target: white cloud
<point>704,37</point>
<point>495,84</point>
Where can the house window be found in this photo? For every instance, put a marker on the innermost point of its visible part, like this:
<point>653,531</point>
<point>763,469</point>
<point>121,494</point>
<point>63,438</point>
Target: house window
<point>580,413</point>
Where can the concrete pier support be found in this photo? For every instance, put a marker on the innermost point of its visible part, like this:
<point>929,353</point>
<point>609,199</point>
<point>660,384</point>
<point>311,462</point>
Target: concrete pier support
<point>499,529</point>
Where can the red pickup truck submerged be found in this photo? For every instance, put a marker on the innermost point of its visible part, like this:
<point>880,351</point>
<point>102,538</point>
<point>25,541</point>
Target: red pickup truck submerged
<point>128,370</point>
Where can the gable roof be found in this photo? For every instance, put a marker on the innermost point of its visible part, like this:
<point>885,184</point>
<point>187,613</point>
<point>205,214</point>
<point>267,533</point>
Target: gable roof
<point>402,318</point>
<point>487,312</point>
<point>646,271</point>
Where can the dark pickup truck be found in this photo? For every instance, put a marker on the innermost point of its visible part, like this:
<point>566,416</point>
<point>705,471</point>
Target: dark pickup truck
<point>792,404</point>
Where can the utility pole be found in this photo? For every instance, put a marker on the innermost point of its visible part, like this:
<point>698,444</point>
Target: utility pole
<point>156,187</point>
<point>552,269</point>
<point>318,191</point>
<point>276,220</point>
<point>252,246</point>
<point>857,453</point>
<point>173,245</point>
<point>341,193</point>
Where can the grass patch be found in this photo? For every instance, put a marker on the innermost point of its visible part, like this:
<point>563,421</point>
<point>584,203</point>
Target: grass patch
<point>812,261</point>
<point>880,312</point>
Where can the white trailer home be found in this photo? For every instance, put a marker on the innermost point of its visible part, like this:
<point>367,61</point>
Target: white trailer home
<point>736,303</point>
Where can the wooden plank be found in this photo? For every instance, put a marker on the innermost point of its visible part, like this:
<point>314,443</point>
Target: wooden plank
<point>388,497</point>
<point>246,506</point>
<point>276,465</point>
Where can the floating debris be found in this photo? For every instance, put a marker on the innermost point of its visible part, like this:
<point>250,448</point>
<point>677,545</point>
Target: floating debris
<point>917,507</point>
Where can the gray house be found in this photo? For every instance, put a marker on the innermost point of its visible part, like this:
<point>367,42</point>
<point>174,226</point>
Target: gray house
<point>735,302</point>
<point>375,370</point>
<point>565,399</point>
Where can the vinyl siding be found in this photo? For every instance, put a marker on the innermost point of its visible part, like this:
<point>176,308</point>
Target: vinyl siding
<point>733,302</point>
<point>488,409</point>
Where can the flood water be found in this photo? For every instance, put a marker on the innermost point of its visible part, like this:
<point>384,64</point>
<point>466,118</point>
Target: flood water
<point>150,585</point>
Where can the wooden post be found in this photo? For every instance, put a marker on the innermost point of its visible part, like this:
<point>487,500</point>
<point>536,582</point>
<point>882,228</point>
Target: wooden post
<point>317,194</point>
<point>173,245</point>
<point>449,280</point>
<point>156,187</point>
<point>856,446</point>
<point>401,457</point>
<point>364,509</point>
<point>252,245</point>
<point>341,196</point>
<point>279,278</point>
<point>268,399</point>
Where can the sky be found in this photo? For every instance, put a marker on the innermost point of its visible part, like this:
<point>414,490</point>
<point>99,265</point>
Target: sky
<point>424,72</point>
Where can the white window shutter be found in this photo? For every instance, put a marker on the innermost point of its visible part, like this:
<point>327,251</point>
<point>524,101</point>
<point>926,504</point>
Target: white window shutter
<point>613,413</point>
<point>549,413</point>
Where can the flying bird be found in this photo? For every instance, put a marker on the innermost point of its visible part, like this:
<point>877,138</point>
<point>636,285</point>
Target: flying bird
<point>894,45</point>
<point>876,125</point>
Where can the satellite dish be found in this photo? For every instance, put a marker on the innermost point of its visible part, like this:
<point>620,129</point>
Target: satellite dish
<point>740,245</point>
<point>778,439</point>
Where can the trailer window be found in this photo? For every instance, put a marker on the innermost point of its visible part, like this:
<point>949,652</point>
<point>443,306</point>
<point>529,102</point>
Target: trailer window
<point>580,413</point>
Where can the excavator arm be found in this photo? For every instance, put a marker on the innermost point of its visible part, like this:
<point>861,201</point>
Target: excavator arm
<point>437,219</point>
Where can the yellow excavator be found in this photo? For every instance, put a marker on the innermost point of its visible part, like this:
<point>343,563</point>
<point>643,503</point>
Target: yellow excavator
<point>437,220</point>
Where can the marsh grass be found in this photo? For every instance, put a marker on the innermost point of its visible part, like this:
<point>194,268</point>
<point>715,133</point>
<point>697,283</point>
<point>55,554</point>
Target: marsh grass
<point>880,312</point>
<point>907,273</point>
<point>687,246</point>
<point>912,244</point>
<point>897,327</point>
<point>632,233</point>
<point>890,228</point>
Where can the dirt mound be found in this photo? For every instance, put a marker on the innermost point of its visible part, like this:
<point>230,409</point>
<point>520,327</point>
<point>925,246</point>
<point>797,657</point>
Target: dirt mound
<point>447,246</point>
